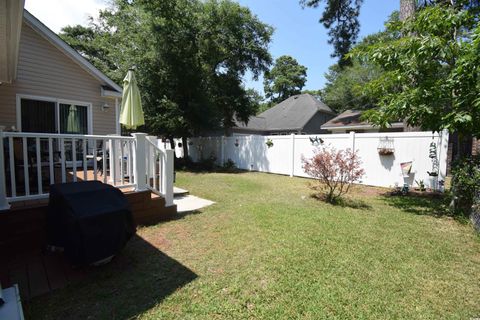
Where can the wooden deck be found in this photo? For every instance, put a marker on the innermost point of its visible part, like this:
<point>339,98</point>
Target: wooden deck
<point>37,273</point>
<point>23,241</point>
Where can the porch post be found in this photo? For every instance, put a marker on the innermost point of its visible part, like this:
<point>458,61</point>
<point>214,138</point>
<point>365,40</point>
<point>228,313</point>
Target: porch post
<point>4,205</point>
<point>167,175</point>
<point>140,165</point>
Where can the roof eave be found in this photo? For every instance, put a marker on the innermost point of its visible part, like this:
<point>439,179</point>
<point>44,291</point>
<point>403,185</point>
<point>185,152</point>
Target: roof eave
<point>110,93</point>
<point>361,126</point>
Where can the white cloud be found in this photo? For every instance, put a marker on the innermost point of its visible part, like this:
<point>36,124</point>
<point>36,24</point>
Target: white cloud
<point>57,14</point>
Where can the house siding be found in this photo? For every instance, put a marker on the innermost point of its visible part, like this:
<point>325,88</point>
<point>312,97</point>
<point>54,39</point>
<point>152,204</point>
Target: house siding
<point>44,70</point>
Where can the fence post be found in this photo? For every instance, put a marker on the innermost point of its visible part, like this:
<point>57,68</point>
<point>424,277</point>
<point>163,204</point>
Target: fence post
<point>222,141</point>
<point>167,177</point>
<point>292,169</point>
<point>352,140</point>
<point>140,165</point>
<point>443,154</point>
<point>4,205</point>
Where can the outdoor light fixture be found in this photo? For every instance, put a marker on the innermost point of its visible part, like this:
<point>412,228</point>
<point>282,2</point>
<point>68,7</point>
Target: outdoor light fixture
<point>105,107</point>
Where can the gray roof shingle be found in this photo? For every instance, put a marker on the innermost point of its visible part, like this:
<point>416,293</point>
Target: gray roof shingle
<point>290,114</point>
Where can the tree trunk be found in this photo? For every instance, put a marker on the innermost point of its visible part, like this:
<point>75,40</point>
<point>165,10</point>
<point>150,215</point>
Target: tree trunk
<point>185,149</point>
<point>407,9</point>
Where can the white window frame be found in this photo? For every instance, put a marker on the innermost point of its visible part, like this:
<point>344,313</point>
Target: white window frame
<point>57,102</point>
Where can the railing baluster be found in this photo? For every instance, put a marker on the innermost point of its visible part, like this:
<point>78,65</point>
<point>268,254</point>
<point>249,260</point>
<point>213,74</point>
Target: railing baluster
<point>62,160</point>
<point>50,161</point>
<point>130,161</point>
<point>94,159</point>
<point>160,170</point>
<point>74,160</point>
<point>113,161</point>
<point>154,168</point>
<point>122,176</point>
<point>13,182</point>
<point>39,166</point>
<point>149,147</point>
<point>84,154</point>
<point>104,173</point>
<point>25,166</point>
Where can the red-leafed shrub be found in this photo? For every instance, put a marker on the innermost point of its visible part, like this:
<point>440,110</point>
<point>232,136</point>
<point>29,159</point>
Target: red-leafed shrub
<point>335,170</point>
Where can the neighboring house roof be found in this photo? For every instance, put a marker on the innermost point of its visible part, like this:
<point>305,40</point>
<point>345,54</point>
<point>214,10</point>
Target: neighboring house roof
<point>350,119</point>
<point>289,115</point>
<point>109,88</point>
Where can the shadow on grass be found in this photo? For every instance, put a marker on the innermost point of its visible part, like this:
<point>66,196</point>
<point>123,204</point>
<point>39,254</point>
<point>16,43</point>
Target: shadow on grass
<point>343,202</point>
<point>137,280</point>
<point>214,170</point>
<point>184,214</point>
<point>431,204</point>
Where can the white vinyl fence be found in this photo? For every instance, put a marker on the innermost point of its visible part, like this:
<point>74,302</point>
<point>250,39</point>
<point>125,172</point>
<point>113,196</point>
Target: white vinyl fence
<point>285,156</point>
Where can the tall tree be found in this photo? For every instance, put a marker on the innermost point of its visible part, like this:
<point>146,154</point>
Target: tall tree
<point>286,78</point>
<point>344,88</point>
<point>191,56</point>
<point>340,17</point>
<point>431,77</point>
<point>407,9</point>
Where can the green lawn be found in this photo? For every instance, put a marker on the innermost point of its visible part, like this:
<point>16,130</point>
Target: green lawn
<point>267,250</point>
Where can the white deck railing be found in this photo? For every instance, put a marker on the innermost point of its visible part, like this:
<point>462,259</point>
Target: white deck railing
<point>31,162</point>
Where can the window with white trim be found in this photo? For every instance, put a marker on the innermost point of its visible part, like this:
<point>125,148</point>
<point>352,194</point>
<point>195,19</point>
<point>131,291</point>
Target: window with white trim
<point>51,116</point>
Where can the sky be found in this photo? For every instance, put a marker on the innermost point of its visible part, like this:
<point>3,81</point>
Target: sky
<point>297,31</point>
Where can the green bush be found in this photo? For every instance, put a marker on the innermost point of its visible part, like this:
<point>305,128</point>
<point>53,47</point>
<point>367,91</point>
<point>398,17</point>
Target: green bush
<point>229,165</point>
<point>207,164</point>
<point>465,184</point>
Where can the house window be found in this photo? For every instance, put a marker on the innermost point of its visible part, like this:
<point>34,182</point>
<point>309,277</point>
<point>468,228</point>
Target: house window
<point>38,116</point>
<point>73,119</point>
<point>53,116</point>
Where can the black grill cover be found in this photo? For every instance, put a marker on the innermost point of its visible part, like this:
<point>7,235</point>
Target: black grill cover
<point>90,220</point>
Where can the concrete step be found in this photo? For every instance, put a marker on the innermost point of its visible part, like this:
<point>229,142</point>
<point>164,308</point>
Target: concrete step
<point>188,203</point>
<point>179,192</point>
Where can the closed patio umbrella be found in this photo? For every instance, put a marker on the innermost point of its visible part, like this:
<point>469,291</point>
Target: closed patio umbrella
<point>131,114</point>
<point>73,125</point>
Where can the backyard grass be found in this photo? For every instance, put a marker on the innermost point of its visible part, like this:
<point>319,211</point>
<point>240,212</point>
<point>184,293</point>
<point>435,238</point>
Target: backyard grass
<point>268,250</point>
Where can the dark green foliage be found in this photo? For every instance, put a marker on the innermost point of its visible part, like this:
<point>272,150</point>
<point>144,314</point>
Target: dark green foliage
<point>465,184</point>
<point>191,56</point>
<point>264,106</point>
<point>341,18</point>
<point>285,79</point>
<point>229,165</point>
<point>345,85</point>
<point>431,76</point>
